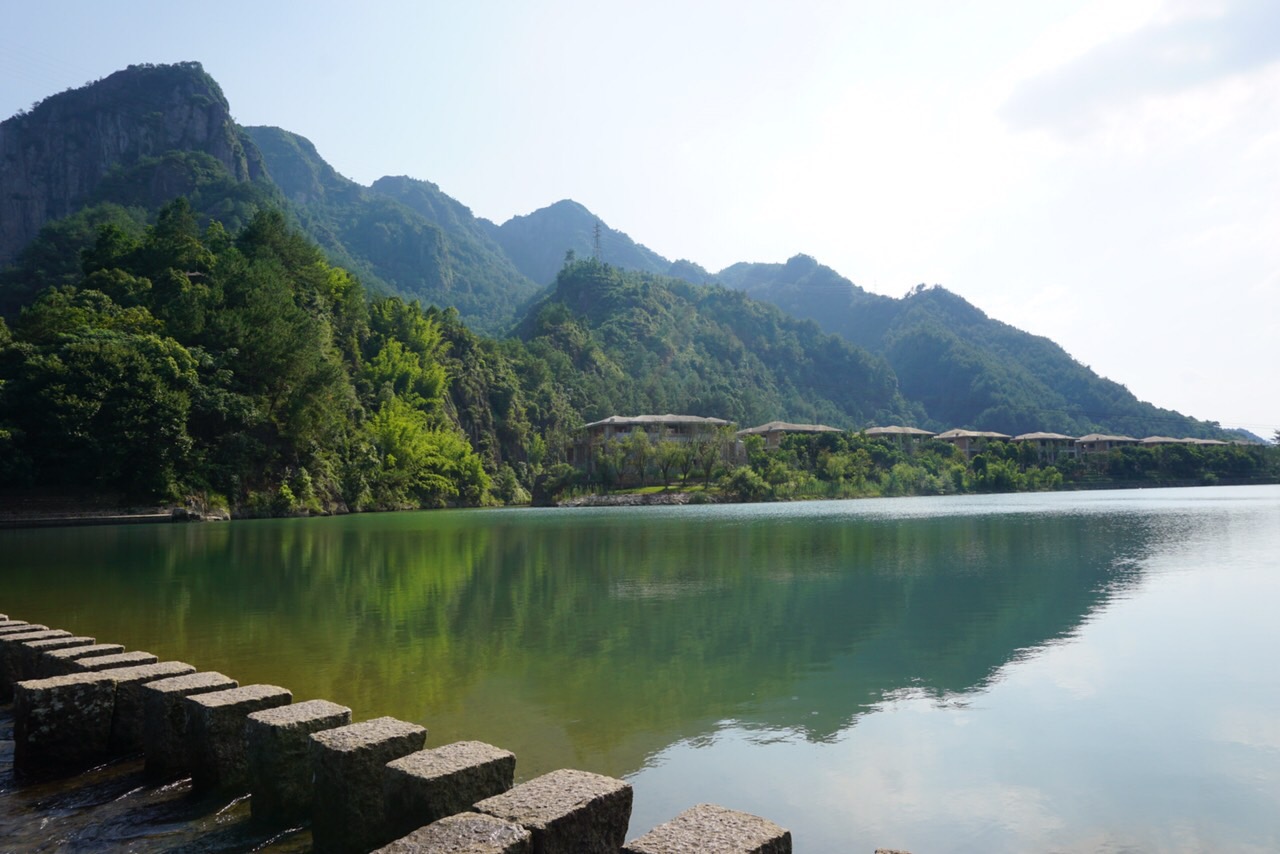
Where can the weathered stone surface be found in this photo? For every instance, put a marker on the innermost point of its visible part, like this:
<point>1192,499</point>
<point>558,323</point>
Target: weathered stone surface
<point>32,652</point>
<point>567,811</point>
<point>11,655</point>
<point>348,762</point>
<point>10,626</point>
<point>278,743</point>
<point>129,720</point>
<point>62,721</point>
<point>108,662</point>
<point>428,785</point>
<point>164,731</point>
<point>215,727</point>
<point>465,833</point>
<point>714,830</point>
<point>11,639</point>
<point>58,662</point>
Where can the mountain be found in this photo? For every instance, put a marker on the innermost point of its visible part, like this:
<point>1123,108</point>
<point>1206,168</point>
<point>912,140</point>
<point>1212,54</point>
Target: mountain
<point>967,369</point>
<point>628,342</point>
<point>401,235</point>
<point>112,153</point>
<point>538,242</point>
<point>143,135</point>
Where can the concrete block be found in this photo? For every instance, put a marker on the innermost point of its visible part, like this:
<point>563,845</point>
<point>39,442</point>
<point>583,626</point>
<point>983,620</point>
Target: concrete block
<point>65,720</point>
<point>107,662</point>
<point>215,727</point>
<point>428,785</point>
<point>714,830</point>
<point>278,744</point>
<point>348,763</point>
<point>127,725</point>
<point>465,833</point>
<point>567,811</point>
<point>58,662</point>
<point>164,730</point>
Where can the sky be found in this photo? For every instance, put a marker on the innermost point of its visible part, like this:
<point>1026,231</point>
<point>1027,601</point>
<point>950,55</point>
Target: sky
<point>1105,174</point>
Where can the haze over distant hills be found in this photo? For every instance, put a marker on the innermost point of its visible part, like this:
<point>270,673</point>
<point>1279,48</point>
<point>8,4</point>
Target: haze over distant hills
<point>147,134</point>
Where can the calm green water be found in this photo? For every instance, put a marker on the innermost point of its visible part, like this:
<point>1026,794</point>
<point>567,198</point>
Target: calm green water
<point>1072,672</point>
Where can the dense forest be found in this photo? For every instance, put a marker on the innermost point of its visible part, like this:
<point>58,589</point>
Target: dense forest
<point>212,315</point>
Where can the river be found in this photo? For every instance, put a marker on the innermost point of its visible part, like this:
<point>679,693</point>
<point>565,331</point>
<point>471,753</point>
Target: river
<point>1045,672</point>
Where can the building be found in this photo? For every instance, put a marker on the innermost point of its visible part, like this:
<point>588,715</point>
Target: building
<point>775,430</point>
<point>1050,447</point>
<point>971,441</point>
<point>676,428</point>
<point>903,437</point>
<point>1101,443</point>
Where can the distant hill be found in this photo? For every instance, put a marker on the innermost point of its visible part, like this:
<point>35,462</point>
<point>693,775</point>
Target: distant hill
<point>537,242</point>
<point>968,370</point>
<point>632,343</point>
<point>403,236</point>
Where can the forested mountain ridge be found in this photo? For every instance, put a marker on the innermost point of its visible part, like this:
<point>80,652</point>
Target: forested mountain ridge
<point>950,364</point>
<point>965,368</point>
<point>402,236</point>
<point>538,242</point>
<point>646,343</point>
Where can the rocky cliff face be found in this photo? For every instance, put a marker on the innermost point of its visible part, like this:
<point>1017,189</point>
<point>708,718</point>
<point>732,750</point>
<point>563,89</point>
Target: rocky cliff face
<point>53,157</point>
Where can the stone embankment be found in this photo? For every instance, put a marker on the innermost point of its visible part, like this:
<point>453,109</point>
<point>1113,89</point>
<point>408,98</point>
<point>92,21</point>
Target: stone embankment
<point>364,786</point>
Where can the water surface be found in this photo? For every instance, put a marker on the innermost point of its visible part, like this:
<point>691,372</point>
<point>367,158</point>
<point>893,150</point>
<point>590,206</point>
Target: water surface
<point>1072,672</point>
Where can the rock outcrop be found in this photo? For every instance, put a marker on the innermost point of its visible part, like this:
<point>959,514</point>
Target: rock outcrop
<point>53,157</point>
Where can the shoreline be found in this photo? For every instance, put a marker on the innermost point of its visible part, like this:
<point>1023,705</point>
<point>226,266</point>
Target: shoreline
<point>18,519</point>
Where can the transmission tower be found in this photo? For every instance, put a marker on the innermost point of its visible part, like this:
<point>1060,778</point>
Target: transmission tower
<point>595,242</point>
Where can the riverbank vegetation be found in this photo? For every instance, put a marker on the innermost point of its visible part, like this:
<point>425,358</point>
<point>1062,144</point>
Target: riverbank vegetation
<point>247,374</point>
<point>853,465</point>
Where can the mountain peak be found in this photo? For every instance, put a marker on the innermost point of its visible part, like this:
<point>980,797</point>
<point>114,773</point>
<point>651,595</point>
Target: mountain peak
<point>53,157</point>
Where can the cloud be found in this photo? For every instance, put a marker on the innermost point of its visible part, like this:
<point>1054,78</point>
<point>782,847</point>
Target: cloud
<point>1163,58</point>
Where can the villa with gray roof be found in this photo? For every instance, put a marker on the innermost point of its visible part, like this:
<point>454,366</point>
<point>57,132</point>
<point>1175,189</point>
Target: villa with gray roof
<point>775,430</point>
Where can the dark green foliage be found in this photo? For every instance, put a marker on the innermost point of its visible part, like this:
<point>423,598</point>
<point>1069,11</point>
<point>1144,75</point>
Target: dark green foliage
<point>403,236</point>
<point>626,343</point>
<point>965,368</point>
<point>185,362</point>
<point>54,257</point>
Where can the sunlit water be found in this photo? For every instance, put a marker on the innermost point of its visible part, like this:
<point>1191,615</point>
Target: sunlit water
<point>1065,672</point>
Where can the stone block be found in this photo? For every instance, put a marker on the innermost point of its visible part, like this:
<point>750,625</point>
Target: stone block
<point>108,662</point>
<point>215,728</point>
<point>465,833</point>
<point>430,784</point>
<point>129,720</point>
<point>58,662</point>
<point>714,830</point>
<point>32,652</point>
<point>11,655</point>
<point>164,731</point>
<point>11,626</point>
<point>65,720</point>
<point>348,762</point>
<point>278,744</point>
<point>567,811</point>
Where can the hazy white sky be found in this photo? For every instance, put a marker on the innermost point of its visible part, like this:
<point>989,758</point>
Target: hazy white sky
<point>1102,173</point>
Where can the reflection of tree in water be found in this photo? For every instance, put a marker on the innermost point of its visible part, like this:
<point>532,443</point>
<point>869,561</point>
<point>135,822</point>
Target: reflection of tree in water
<point>604,636</point>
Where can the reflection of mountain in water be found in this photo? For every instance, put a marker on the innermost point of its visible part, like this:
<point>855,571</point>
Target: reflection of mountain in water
<point>589,638</point>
